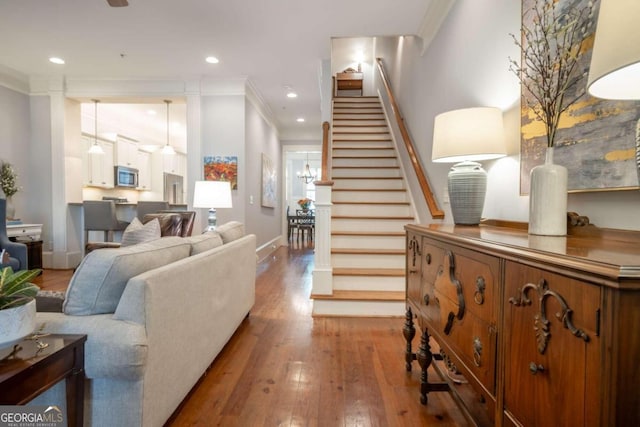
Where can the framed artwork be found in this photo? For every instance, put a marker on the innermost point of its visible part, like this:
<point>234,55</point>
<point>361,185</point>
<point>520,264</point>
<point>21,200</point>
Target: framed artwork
<point>221,168</point>
<point>268,182</point>
<point>596,138</point>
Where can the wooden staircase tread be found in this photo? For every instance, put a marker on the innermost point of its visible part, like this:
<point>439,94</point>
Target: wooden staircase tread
<point>386,272</point>
<point>343,295</point>
<point>359,132</point>
<point>365,167</point>
<point>367,177</point>
<point>408,218</point>
<point>363,157</point>
<point>372,203</point>
<point>363,148</point>
<point>367,251</point>
<point>369,189</point>
<point>359,126</point>
<point>368,141</point>
<point>369,233</point>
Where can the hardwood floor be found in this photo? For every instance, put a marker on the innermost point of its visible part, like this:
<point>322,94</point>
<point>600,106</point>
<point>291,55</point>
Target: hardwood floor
<point>284,367</point>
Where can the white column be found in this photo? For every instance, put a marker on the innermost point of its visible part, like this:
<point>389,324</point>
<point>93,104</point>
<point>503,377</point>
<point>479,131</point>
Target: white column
<point>322,271</point>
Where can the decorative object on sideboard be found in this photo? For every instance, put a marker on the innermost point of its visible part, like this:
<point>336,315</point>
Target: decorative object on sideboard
<point>95,148</point>
<point>168,149</point>
<point>212,195</point>
<point>550,72</point>
<point>464,137</point>
<point>9,186</point>
<point>17,304</point>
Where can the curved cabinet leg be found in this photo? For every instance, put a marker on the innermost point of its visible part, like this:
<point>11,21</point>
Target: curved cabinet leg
<point>409,331</point>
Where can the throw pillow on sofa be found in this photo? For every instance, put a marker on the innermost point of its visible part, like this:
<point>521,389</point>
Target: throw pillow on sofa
<point>204,242</point>
<point>100,279</point>
<point>231,231</point>
<point>137,232</point>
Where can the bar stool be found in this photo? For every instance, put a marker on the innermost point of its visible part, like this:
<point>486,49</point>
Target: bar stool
<point>100,215</point>
<point>144,208</point>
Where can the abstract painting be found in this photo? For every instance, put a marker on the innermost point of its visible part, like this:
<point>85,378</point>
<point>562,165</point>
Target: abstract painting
<point>595,140</point>
<point>221,168</point>
<point>269,182</point>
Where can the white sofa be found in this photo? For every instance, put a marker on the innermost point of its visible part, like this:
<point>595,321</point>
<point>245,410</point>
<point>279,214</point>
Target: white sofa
<point>170,322</point>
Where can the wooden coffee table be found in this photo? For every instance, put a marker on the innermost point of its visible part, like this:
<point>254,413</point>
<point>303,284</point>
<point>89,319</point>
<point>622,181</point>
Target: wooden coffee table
<point>32,366</point>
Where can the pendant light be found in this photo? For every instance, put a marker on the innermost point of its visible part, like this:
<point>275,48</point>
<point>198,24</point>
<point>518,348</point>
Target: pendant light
<point>95,147</point>
<point>168,149</point>
<point>307,177</point>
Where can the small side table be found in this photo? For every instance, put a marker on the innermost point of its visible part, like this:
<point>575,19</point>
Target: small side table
<point>27,370</point>
<point>34,251</point>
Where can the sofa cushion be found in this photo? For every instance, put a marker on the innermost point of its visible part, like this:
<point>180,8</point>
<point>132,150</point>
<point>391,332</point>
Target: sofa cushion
<point>100,279</point>
<point>137,232</point>
<point>204,242</point>
<point>231,231</point>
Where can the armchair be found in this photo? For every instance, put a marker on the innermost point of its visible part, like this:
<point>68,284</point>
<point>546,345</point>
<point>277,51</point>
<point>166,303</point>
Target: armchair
<point>17,251</point>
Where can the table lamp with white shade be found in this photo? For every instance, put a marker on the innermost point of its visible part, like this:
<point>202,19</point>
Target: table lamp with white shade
<point>212,195</point>
<point>464,137</point>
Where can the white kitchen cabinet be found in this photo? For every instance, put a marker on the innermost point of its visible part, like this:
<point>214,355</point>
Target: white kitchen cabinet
<point>98,168</point>
<point>174,163</point>
<point>126,152</point>
<point>144,170</point>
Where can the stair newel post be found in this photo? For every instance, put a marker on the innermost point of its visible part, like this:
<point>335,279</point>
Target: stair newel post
<point>322,271</point>
<point>325,152</point>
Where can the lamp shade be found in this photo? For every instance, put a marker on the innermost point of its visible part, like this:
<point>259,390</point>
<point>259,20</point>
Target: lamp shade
<point>212,194</point>
<point>468,134</point>
<point>615,60</point>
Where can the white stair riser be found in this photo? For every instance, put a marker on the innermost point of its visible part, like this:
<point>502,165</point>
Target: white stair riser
<point>358,308</point>
<point>339,99</point>
<point>370,183</point>
<point>374,136</point>
<point>338,122</point>
<point>368,283</point>
<point>366,242</point>
<point>358,104</point>
<point>370,196</point>
<point>365,172</point>
<point>363,144</point>
<point>359,110</point>
<point>344,224</point>
<point>372,210</point>
<point>362,152</point>
<point>348,115</point>
<point>359,129</point>
<point>367,261</point>
<point>338,162</point>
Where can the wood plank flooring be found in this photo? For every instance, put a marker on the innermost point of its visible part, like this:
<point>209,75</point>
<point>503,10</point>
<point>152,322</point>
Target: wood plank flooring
<point>284,367</point>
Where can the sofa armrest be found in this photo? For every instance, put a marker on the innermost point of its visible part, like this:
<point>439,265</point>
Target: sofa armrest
<point>114,349</point>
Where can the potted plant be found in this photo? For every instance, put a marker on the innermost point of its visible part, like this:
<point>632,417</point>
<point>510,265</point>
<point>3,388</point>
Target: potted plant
<point>552,74</point>
<point>9,186</point>
<point>305,203</point>
<point>17,304</point>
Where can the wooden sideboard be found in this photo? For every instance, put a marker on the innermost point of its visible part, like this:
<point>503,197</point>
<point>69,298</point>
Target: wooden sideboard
<point>349,81</point>
<point>543,330</point>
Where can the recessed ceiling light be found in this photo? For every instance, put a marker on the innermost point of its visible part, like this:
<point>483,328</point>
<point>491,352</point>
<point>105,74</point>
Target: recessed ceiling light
<point>212,60</point>
<point>292,94</point>
<point>56,60</point>
<point>300,119</point>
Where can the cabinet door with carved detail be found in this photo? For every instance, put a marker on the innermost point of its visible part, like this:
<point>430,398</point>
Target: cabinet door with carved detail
<point>552,348</point>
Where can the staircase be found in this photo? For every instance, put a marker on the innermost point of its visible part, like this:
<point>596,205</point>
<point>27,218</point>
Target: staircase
<point>370,208</point>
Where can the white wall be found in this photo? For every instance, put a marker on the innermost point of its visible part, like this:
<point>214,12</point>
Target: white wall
<point>466,65</point>
<point>261,137</point>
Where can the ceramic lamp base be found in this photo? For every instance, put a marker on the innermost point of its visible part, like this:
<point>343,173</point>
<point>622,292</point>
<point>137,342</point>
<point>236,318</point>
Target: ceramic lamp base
<point>467,183</point>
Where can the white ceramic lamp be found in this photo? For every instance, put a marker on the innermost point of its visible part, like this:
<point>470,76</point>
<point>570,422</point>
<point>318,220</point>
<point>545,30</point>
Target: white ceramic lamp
<point>615,59</point>
<point>212,195</point>
<point>464,137</point>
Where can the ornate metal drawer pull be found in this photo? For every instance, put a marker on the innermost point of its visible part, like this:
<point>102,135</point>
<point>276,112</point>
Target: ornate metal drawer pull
<point>428,258</point>
<point>535,368</point>
<point>477,351</point>
<point>478,296</point>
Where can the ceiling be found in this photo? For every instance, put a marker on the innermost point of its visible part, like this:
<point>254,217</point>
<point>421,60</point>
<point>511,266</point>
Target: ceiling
<point>274,44</point>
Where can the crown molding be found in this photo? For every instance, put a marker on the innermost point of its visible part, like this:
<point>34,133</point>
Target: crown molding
<point>14,80</point>
<point>437,11</point>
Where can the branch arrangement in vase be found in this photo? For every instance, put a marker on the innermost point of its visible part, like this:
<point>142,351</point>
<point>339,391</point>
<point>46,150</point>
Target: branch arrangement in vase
<point>551,50</point>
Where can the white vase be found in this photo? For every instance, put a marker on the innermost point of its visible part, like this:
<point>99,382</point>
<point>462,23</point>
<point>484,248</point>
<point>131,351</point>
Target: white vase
<point>16,323</point>
<point>11,210</point>
<point>548,198</point>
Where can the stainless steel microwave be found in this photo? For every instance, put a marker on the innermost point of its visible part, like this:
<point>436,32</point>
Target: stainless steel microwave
<point>126,177</point>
